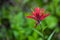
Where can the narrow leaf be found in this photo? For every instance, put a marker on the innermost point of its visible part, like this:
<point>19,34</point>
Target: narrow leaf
<point>51,35</point>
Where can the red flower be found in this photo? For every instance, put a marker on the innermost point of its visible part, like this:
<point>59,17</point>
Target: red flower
<point>38,15</point>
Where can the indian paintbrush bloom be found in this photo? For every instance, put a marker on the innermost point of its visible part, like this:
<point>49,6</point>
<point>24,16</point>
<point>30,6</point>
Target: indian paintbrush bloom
<point>38,15</point>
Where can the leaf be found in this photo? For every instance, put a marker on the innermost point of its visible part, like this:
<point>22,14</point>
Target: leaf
<point>17,20</point>
<point>35,35</point>
<point>51,35</point>
<point>58,11</point>
<point>51,22</point>
<point>30,38</point>
<point>38,32</point>
<point>40,39</point>
<point>55,3</point>
<point>31,22</point>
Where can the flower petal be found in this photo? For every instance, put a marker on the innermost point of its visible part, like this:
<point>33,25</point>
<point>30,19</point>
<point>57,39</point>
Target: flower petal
<point>33,17</point>
<point>37,10</point>
<point>34,13</point>
<point>29,17</point>
<point>42,12</point>
<point>44,16</point>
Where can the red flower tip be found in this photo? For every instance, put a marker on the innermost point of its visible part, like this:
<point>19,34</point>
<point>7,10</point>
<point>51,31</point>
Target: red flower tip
<point>42,10</point>
<point>29,16</point>
<point>34,13</point>
<point>37,10</point>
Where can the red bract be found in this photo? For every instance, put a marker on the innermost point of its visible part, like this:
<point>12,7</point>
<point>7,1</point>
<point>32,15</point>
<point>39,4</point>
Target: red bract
<point>38,15</point>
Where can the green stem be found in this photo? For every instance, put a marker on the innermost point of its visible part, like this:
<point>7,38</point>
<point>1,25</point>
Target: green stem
<point>42,31</point>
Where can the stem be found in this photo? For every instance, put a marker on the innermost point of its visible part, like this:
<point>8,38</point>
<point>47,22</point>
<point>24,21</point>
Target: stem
<point>41,31</point>
<point>41,27</point>
<point>35,25</point>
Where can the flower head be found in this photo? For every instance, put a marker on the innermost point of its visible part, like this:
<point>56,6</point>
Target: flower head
<point>38,15</point>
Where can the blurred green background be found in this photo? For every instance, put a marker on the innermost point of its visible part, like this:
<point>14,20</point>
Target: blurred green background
<point>15,26</point>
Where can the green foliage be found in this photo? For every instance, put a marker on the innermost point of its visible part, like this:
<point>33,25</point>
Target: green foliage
<point>22,28</point>
<point>51,22</point>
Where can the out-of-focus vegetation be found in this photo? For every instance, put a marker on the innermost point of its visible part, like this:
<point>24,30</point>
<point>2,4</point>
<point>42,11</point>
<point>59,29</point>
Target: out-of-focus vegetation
<point>15,26</point>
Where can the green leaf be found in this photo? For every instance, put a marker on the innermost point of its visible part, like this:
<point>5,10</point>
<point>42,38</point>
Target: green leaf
<point>55,3</point>
<point>31,22</point>
<point>30,38</point>
<point>51,22</point>
<point>35,35</point>
<point>41,34</point>
<point>58,11</point>
<point>51,35</point>
<point>17,20</point>
<point>40,39</point>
